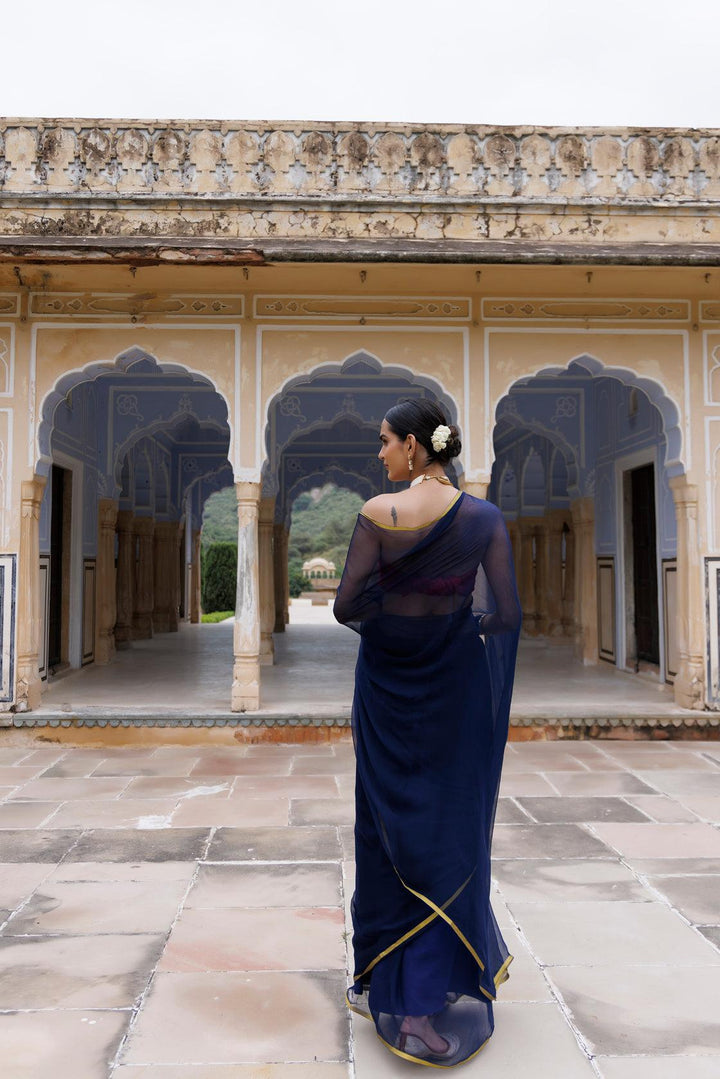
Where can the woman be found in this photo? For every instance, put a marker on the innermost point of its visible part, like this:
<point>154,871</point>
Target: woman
<point>428,570</point>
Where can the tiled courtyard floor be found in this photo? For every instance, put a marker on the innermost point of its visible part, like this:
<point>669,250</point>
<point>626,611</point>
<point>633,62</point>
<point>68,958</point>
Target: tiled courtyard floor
<point>178,912</point>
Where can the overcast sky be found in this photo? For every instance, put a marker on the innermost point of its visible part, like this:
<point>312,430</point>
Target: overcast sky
<point>587,62</point>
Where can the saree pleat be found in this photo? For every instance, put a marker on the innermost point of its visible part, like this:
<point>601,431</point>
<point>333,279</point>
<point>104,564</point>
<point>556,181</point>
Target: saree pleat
<point>430,721</point>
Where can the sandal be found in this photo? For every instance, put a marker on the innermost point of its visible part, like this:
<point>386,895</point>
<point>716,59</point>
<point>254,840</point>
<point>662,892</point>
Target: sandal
<point>415,1046</point>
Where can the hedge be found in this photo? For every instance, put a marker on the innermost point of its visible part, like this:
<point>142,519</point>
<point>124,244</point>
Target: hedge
<point>219,577</point>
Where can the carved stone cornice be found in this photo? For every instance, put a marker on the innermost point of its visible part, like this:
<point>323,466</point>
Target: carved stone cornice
<point>231,192</point>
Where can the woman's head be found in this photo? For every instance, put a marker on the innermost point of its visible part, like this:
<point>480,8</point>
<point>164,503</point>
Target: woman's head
<point>407,435</point>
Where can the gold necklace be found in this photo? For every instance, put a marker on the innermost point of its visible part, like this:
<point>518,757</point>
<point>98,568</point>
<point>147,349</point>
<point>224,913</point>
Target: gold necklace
<point>421,479</point>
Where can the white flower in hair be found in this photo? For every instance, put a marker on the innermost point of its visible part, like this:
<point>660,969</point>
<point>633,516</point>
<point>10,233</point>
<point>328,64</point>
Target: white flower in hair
<point>439,437</point>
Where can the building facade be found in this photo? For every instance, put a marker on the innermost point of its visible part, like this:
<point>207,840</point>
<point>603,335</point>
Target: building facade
<point>185,306</point>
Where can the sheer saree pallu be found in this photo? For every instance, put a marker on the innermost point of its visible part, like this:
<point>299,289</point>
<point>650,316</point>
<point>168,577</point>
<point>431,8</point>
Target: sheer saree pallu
<point>430,720</point>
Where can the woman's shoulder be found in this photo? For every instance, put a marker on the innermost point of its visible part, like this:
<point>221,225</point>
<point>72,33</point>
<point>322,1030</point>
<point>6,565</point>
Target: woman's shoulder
<point>380,508</point>
<point>481,508</point>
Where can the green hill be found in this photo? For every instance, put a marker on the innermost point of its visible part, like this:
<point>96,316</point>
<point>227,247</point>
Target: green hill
<point>321,525</point>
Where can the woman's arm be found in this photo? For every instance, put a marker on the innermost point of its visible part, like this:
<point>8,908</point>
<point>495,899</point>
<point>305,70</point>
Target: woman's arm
<point>358,596</point>
<point>497,563</point>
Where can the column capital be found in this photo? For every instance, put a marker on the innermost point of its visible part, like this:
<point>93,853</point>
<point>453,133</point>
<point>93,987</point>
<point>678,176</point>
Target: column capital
<point>125,520</point>
<point>32,492</point>
<point>248,492</point>
<point>107,513</point>
<point>684,494</point>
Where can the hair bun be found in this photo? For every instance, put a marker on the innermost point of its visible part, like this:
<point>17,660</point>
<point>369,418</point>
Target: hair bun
<point>454,445</point>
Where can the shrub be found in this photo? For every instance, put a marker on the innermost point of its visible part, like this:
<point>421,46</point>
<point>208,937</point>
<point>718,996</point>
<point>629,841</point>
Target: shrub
<point>298,582</point>
<point>219,577</point>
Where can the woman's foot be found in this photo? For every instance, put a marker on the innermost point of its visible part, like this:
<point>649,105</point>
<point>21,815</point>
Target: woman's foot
<point>419,1038</point>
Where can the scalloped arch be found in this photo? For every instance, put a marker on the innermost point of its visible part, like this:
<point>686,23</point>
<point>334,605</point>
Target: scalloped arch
<point>124,363</point>
<point>654,390</point>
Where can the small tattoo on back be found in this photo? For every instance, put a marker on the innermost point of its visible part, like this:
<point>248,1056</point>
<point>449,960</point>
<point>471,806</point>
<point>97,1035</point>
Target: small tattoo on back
<point>393,514</point>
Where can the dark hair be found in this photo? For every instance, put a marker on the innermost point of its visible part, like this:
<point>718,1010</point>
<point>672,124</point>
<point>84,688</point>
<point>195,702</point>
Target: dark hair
<point>419,416</point>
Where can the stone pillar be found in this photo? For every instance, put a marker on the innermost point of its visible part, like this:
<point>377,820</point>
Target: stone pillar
<point>286,576</point>
<point>246,634</point>
<point>165,576</point>
<point>267,587</point>
<point>478,489</point>
<point>553,585</point>
<point>279,555</point>
<point>105,598</point>
<point>144,600</point>
<point>586,642</point>
<point>526,578</point>
<point>541,533</point>
<point>28,596</point>
<point>125,579</point>
<point>195,582</point>
<point>690,677</point>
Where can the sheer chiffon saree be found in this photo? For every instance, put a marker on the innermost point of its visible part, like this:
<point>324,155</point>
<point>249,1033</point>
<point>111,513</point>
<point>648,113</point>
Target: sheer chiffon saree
<point>430,721</point>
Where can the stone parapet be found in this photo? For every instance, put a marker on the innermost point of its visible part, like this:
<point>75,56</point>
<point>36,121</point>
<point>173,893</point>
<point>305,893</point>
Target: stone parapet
<point>241,191</point>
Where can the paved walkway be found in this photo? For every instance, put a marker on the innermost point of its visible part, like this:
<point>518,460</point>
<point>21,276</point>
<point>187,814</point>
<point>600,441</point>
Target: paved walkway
<point>178,913</point>
<point>190,672</point>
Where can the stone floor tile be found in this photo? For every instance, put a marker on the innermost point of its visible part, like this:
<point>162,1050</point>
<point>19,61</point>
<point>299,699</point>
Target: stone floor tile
<point>13,754</point>
<point>526,981</point>
<point>266,886</point>
<point>176,787</point>
<point>289,749</point>
<point>321,811</point>
<point>643,1010</point>
<point>611,934</point>
<point>126,845</point>
<point>231,813</point>
<point>661,840</point>
<point>18,814</point>
<point>61,1044</point>
<point>673,867</point>
<point>17,774</point>
<point>678,783</point>
<point>18,880</point>
<point>548,841</point>
<point>266,1016</point>
<point>711,933</point>
<point>569,810</point>
<point>140,871</point>
<point>73,972</point>
<point>661,808</point>
<point>143,765</point>
<point>274,844</point>
<point>669,1067</point>
<point>46,755</point>
<point>345,785</point>
<point>530,1040</point>
<point>28,845</point>
<point>117,813</point>
<point>535,758</point>
<point>509,812</point>
<point>315,1070</point>
<point>286,786</point>
<point>71,908</point>
<point>697,898</point>
<point>73,767</point>
<point>7,792</point>
<point>238,938</point>
<point>322,766</point>
<point>570,880</point>
<point>643,760</point>
<point>347,840</point>
<point>222,765</point>
<point>598,783</point>
<point>707,808</point>
<point>517,784</point>
<point>64,790</point>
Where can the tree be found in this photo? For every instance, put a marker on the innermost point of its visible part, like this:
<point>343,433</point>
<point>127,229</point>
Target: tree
<point>219,577</point>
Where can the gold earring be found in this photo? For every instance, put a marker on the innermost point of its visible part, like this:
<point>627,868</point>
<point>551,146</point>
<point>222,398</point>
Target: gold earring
<point>410,464</point>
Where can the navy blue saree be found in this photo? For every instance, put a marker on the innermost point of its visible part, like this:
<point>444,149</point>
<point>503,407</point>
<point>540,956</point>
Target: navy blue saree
<point>430,722</point>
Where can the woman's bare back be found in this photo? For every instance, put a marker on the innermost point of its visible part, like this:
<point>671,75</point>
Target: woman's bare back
<point>412,508</point>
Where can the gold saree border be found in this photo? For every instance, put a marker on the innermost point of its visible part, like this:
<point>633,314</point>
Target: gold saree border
<point>412,528</point>
<point>429,1063</point>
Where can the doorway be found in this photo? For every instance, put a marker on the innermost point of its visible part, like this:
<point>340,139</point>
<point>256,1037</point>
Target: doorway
<point>641,569</point>
<point>58,606</point>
